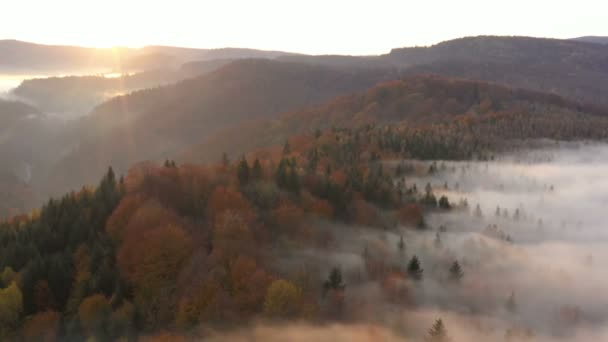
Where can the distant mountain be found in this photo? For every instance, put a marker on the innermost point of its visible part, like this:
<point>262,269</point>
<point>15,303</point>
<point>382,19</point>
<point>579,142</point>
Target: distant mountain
<point>570,68</point>
<point>156,123</point>
<point>576,70</point>
<point>28,58</point>
<point>74,96</point>
<point>592,39</point>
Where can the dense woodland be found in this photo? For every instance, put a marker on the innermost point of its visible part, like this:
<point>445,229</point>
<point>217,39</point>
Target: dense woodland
<point>179,250</point>
<point>173,248</point>
<point>465,118</point>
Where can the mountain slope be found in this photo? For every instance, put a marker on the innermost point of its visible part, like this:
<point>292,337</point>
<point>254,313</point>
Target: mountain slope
<point>592,39</point>
<point>23,57</point>
<point>573,69</point>
<point>155,123</point>
<point>419,102</point>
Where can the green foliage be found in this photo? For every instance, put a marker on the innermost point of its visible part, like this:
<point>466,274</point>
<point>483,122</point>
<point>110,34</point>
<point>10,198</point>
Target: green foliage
<point>282,299</point>
<point>11,309</point>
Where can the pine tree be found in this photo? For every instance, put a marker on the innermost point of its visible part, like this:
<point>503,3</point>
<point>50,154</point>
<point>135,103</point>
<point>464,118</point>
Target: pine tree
<point>243,171</point>
<point>225,160</point>
<point>256,171</point>
<point>286,148</point>
<point>456,272</point>
<point>414,270</point>
<point>401,245</point>
<point>444,203</point>
<point>437,242</point>
<point>334,282</point>
<point>511,303</point>
<point>478,212</point>
<point>438,333</point>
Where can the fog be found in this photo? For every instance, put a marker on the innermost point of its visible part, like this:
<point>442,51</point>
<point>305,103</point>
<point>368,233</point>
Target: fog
<point>534,272</point>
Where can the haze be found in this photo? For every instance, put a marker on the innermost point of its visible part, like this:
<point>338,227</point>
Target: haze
<point>312,27</point>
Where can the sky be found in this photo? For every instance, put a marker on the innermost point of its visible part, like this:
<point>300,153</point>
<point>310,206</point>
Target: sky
<point>313,26</point>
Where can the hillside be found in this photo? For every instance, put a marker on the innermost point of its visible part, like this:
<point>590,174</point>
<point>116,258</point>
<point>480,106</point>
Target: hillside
<point>592,39</point>
<point>299,231</point>
<point>573,69</point>
<point>156,123</point>
<point>422,103</point>
<point>74,96</point>
<point>30,58</point>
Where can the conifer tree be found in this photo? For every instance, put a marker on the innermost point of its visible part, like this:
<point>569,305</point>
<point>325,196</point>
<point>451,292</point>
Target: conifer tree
<point>243,171</point>
<point>334,282</point>
<point>456,272</point>
<point>438,332</point>
<point>256,171</point>
<point>414,270</point>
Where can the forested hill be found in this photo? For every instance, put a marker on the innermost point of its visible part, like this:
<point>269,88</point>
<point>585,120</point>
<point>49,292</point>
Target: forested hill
<point>155,123</point>
<point>574,69</point>
<point>424,104</point>
<point>178,247</point>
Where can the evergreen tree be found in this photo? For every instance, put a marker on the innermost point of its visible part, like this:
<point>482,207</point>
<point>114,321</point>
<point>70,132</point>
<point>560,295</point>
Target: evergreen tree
<point>401,245</point>
<point>444,203</point>
<point>225,160</point>
<point>456,272</point>
<point>256,171</point>
<point>334,282</point>
<point>511,303</point>
<point>437,241</point>
<point>438,333</point>
<point>243,172</point>
<point>414,270</point>
<point>286,148</point>
<point>478,212</point>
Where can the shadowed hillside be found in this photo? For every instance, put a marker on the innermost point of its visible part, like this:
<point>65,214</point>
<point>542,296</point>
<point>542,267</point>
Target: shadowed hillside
<point>156,123</point>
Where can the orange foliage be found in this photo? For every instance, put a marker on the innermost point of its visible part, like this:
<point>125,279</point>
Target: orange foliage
<point>42,327</point>
<point>224,198</point>
<point>364,213</point>
<point>338,177</point>
<point>155,258</point>
<point>121,215</point>
<point>410,214</point>
<point>322,208</point>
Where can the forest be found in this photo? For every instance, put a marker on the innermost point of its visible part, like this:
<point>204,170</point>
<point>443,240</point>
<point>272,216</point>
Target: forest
<point>182,251</point>
<point>299,197</point>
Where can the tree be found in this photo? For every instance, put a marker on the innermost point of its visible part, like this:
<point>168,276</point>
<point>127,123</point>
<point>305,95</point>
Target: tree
<point>401,244</point>
<point>438,333</point>
<point>444,203</point>
<point>11,308</point>
<point>414,270</point>
<point>257,172</point>
<point>511,303</point>
<point>437,241</point>
<point>282,299</point>
<point>478,212</point>
<point>225,160</point>
<point>456,272</point>
<point>286,148</point>
<point>93,314</point>
<point>43,326</point>
<point>334,282</point>
<point>243,172</point>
